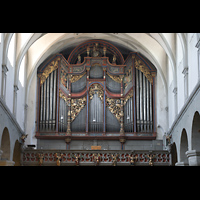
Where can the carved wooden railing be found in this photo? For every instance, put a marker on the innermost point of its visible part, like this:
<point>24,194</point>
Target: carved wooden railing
<point>42,157</point>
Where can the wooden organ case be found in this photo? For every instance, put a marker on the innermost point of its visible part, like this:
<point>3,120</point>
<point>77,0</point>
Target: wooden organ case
<point>95,94</point>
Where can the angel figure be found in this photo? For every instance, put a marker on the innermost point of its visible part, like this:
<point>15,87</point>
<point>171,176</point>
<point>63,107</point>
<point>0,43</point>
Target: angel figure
<point>132,159</point>
<point>96,159</point>
<point>114,159</point>
<point>59,158</point>
<point>77,158</point>
<point>41,158</point>
<point>114,59</point>
<point>150,156</point>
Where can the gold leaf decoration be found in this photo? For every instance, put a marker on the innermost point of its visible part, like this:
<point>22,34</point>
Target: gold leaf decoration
<point>130,94</point>
<point>50,68</point>
<point>114,105</point>
<point>76,106</point>
<point>96,88</point>
<point>144,69</point>
<point>75,78</point>
<point>115,78</point>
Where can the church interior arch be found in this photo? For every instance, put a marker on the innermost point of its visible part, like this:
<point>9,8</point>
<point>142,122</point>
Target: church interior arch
<point>17,153</point>
<point>171,58</point>
<point>196,131</point>
<point>5,144</point>
<point>184,147</point>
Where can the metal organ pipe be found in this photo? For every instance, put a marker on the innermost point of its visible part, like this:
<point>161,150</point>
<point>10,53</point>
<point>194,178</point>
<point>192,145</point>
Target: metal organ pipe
<point>148,106</point>
<point>48,103</point>
<point>151,114</point>
<point>137,100</point>
<point>144,112</point>
<point>144,102</point>
<point>141,102</point>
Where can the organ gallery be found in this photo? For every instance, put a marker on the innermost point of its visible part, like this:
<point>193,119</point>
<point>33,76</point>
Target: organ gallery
<point>96,94</point>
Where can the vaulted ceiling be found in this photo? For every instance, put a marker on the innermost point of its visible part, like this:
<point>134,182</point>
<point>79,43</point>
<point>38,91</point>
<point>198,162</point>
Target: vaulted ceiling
<point>157,47</point>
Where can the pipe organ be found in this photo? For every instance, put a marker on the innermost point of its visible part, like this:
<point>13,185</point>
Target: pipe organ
<point>95,93</point>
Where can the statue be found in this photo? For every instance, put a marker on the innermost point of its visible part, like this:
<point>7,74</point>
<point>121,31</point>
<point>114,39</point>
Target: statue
<point>114,163</point>
<point>88,51</point>
<point>77,158</point>
<point>96,52</point>
<point>150,156</point>
<point>59,158</point>
<point>41,158</point>
<point>114,59</point>
<point>79,59</point>
<point>23,137</point>
<point>96,159</point>
<point>104,51</point>
<point>133,159</point>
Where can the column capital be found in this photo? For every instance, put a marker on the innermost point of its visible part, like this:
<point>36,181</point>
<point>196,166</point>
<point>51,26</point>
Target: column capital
<point>175,90</point>
<point>185,71</point>
<point>16,88</point>
<point>4,69</point>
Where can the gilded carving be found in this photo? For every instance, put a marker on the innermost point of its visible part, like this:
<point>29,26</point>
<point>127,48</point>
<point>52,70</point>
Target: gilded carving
<point>130,94</point>
<point>61,95</point>
<point>63,77</point>
<point>140,66</point>
<point>115,78</point>
<point>114,105</point>
<point>75,78</point>
<point>96,88</point>
<point>50,68</point>
<point>128,76</point>
<point>76,106</point>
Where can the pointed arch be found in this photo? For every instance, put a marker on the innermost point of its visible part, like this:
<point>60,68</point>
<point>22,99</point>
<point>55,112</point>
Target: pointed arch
<point>183,147</point>
<point>5,144</point>
<point>196,131</point>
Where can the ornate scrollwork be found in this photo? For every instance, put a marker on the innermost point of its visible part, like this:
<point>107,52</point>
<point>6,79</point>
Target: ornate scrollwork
<point>130,94</point>
<point>76,106</point>
<point>96,88</point>
<point>114,105</point>
<point>140,66</point>
<point>115,78</point>
<point>75,78</point>
<point>50,68</point>
<point>61,95</point>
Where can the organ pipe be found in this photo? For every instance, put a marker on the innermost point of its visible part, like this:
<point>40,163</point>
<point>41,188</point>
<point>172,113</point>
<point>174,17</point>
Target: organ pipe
<point>144,112</point>
<point>48,103</point>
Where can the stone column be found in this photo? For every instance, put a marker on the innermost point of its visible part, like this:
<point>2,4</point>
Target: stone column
<point>175,101</point>
<point>3,85</point>
<point>185,72</point>
<point>198,46</point>
<point>193,157</point>
<point>15,100</point>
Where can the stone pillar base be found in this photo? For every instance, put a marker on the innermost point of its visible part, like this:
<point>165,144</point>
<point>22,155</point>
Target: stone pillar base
<point>181,164</point>
<point>1,152</point>
<point>7,163</point>
<point>193,157</point>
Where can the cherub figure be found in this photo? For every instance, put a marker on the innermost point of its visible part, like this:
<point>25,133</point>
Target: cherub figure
<point>59,158</point>
<point>41,158</point>
<point>77,158</point>
<point>114,159</point>
<point>133,159</point>
<point>150,156</point>
<point>114,59</point>
<point>96,159</point>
